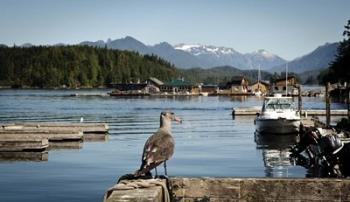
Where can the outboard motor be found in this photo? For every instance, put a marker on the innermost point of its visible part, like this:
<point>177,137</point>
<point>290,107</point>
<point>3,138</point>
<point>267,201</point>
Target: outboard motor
<point>330,145</point>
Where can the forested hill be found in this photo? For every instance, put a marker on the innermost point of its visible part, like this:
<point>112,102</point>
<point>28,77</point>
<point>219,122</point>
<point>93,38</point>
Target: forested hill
<point>77,66</point>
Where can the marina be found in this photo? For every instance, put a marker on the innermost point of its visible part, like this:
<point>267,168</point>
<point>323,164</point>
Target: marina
<point>209,142</point>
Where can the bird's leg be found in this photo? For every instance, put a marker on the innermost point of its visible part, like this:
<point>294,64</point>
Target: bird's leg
<point>165,172</point>
<point>156,172</point>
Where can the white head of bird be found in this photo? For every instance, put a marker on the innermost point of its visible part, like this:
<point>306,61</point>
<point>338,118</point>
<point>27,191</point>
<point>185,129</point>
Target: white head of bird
<point>166,117</point>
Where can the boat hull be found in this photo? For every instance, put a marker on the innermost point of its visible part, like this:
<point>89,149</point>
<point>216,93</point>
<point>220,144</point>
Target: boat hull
<point>277,126</point>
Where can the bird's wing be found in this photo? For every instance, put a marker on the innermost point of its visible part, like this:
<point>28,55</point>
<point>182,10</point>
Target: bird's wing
<point>158,148</point>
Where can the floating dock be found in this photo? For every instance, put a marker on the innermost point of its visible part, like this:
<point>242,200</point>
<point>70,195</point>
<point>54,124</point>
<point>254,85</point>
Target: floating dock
<point>8,144</point>
<point>252,111</point>
<point>237,189</point>
<point>51,135</point>
<point>84,127</point>
<point>40,136</point>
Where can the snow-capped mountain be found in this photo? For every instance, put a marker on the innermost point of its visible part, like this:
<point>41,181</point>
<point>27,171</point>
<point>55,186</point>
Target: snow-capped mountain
<point>195,55</point>
<point>207,56</point>
<point>264,59</point>
<point>197,49</point>
<point>219,56</point>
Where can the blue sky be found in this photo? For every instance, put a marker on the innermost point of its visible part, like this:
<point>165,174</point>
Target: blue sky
<point>289,28</point>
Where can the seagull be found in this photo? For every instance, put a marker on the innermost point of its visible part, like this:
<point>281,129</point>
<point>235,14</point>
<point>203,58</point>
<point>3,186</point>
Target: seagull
<point>159,147</point>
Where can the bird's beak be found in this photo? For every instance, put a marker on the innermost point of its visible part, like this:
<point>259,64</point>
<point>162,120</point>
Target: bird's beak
<point>177,119</point>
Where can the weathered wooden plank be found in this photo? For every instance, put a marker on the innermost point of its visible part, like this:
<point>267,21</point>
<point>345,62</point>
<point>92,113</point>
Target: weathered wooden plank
<point>85,127</point>
<point>24,156</point>
<point>56,145</point>
<point>9,144</point>
<point>139,190</point>
<point>260,189</point>
<point>93,137</point>
<point>51,135</point>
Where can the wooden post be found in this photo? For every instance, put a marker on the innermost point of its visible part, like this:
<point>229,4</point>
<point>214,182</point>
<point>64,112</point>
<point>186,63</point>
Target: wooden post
<point>328,106</point>
<point>300,104</point>
<point>348,101</point>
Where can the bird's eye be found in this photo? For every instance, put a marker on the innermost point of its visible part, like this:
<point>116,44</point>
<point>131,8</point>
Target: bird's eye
<point>172,113</point>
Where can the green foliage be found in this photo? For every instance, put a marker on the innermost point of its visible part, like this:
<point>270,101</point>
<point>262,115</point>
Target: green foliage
<point>78,66</point>
<point>339,68</point>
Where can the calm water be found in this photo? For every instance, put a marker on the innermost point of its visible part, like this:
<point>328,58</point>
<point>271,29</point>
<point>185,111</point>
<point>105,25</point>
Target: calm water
<point>208,143</point>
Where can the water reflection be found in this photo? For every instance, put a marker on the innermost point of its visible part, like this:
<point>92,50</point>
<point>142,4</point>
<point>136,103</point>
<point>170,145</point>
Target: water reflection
<point>275,151</point>
<point>238,98</point>
<point>56,145</point>
<point>24,156</point>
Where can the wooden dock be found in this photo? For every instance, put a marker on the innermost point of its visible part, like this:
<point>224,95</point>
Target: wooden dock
<point>252,111</point>
<point>237,189</point>
<point>84,127</point>
<point>40,136</point>
<point>8,144</point>
<point>51,135</point>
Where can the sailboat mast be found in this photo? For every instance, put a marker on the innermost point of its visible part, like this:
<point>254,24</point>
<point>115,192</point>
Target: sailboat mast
<point>259,78</point>
<point>287,79</point>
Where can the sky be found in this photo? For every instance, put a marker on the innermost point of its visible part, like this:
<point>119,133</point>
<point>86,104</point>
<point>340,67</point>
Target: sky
<point>288,28</point>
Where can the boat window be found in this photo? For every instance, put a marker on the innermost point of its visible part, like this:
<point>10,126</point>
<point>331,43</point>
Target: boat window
<point>278,104</point>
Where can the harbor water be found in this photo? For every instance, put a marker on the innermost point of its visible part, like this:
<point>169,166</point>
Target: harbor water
<point>209,142</point>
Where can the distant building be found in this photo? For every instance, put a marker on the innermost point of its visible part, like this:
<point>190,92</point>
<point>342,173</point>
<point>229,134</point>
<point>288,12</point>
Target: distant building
<point>154,84</point>
<point>237,85</point>
<point>280,86</point>
<point>154,81</point>
<point>210,89</point>
<point>179,86</point>
<point>262,86</point>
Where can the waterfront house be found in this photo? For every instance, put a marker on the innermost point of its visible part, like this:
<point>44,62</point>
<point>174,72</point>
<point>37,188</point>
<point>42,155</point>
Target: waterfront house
<point>238,85</point>
<point>210,89</point>
<point>280,86</point>
<point>262,86</point>
<point>154,84</point>
<point>180,86</point>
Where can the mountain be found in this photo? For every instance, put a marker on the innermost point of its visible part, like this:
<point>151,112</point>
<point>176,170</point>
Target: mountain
<point>211,56</point>
<point>316,60</point>
<point>189,55</point>
<point>221,56</point>
<point>221,74</point>
<point>265,59</point>
<point>180,58</point>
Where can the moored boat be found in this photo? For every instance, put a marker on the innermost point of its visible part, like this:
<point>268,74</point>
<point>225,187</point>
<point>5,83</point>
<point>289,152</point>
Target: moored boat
<point>278,116</point>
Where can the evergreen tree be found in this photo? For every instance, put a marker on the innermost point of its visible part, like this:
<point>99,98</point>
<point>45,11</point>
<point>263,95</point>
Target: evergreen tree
<point>339,70</point>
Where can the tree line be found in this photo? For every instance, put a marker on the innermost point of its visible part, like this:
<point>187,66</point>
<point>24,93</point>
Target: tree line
<point>338,70</point>
<point>78,66</point>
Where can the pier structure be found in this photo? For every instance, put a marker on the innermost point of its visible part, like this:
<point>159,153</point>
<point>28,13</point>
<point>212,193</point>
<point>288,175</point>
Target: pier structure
<point>32,140</point>
<point>238,189</point>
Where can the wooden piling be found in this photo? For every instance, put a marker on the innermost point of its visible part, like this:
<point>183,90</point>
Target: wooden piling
<point>328,105</point>
<point>348,100</point>
<point>300,104</point>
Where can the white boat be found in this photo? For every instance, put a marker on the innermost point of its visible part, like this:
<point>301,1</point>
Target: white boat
<point>278,116</point>
<point>204,93</point>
